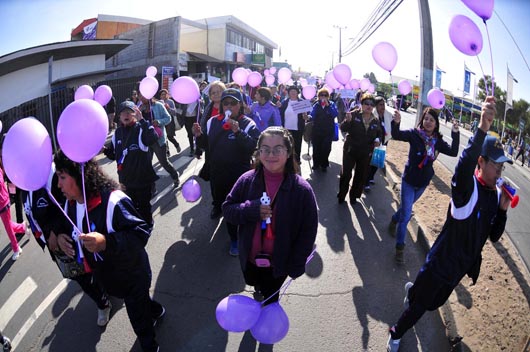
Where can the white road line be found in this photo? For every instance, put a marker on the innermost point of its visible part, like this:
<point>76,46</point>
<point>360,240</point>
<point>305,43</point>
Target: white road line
<point>511,182</point>
<point>15,301</point>
<point>38,312</point>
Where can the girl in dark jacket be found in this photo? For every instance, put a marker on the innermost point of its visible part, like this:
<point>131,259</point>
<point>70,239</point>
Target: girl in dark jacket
<point>275,239</point>
<point>425,144</point>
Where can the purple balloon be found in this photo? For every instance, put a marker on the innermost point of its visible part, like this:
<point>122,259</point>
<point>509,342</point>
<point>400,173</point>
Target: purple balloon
<point>342,73</point>
<point>84,92</point>
<point>385,55</point>
<point>436,98</point>
<point>267,72</point>
<point>483,8</point>
<point>27,154</point>
<point>309,92</point>
<point>237,313</point>
<point>355,84</point>
<point>103,94</point>
<point>404,87</point>
<point>465,35</point>
<point>185,90</point>
<point>365,84</point>
<point>270,80</point>
<point>254,79</point>
<point>284,74</point>
<point>151,71</point>
<point>240,76</point>
<point>331,81</point>
<point>191,190</point>
<point>149,87</point>
<point>272,325</point>
<point>82,130</point>
<point>272,70</point>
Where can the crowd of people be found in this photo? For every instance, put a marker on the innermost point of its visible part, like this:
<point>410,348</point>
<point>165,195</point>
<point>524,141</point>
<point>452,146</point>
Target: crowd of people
<point>252,161</point>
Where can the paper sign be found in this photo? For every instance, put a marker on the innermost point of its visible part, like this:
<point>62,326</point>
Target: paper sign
<point>301,106</point>
<point>347,93</point>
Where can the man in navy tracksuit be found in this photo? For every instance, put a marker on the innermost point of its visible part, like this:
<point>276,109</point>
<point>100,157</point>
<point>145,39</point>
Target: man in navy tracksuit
<point>130,148</point>
<point>477,212</point>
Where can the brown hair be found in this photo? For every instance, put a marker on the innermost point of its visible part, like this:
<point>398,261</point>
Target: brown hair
<point>291,165</point>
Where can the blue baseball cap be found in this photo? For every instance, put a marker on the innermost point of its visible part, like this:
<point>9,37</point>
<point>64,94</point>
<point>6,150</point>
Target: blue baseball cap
<point>492,149</point>
<point>126,105</point>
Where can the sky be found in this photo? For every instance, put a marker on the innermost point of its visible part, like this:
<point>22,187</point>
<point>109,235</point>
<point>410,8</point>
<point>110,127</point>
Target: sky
<point>309,35</point>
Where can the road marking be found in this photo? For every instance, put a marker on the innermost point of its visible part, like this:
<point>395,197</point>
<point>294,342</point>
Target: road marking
<point>38,312</point>
<point>511,182</point>
<point>187,174</point>
<point>16,300</point>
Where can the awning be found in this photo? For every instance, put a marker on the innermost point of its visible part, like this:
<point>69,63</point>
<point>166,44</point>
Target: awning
<point>202,57</point>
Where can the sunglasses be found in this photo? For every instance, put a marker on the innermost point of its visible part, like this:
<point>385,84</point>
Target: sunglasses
<point>368,103</point>
<point>323,95</point>
<point>230,102</point>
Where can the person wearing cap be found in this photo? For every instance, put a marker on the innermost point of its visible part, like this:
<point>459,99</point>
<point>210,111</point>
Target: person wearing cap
<point>294,123</point>
<point>263,111</point>
<point>230,139</point>
<point>477,211</point>
<point>426,142</point>
<point>129,147</point>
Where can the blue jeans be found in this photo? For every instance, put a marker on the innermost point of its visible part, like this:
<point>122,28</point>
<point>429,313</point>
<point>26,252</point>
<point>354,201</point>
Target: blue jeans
<point>409,196</point>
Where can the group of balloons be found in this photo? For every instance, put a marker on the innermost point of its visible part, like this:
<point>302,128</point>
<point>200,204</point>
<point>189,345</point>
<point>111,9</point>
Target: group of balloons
<point>238,313</point>
<point>27,151</point>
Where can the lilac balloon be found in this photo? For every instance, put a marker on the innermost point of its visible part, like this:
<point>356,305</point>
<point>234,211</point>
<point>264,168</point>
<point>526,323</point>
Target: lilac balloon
<point>404,87</point>
<point>270,80</point>
<point>191,190</point>
<point>303,82</point>
<point>185,90</point>
<point>309,92</point>
<point>272,70</point>
<point>237,313</point>
<point>465,35</point>
<point>240,76</point>
<point>483,8</point>
<point>254,79</point>
<point>385,55</point>
<point>1,126</point>
<point>82,130</point>
<point>436,98</point>
<point>284,74</point>
<point>27,154</point>
<point>329,88</point>
<point>365,84</point>
<point>371,88</point>
<point>84,92</point>
<point>149,87</point>
<point>331,81</point>
<point>355,84</point>
<point>342,73</point>
<point>103,94</point>
<point>272,325</point>
<point>151,71</point>
<point>267,72</point>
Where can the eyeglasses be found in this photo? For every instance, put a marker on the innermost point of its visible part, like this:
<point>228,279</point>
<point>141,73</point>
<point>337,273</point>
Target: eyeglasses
<point>230,102</point>
<point>276,151</point>
<point>497,166</point>
<point>368,103</point>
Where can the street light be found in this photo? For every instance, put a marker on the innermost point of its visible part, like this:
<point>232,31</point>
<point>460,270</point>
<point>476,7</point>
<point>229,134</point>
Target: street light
<point>340,40</point>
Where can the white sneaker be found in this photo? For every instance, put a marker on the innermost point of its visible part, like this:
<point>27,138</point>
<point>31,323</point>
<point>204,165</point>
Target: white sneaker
<point>408,285</point>
<point>104,315</point>
<point>16,254</point>
<point>392,345</point>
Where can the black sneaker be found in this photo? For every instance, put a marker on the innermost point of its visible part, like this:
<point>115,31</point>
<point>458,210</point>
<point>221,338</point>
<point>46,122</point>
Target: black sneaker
<point>160,317</point>
<point>179,149</point>
<point>215,213</point>
<point>6,344</point>
<point>176,183</point>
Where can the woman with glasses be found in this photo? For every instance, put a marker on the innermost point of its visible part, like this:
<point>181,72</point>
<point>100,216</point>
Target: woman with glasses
<point>363,133</point>
<point>323,116</point>
<point>229,139</point>
<point>426,143</point>
<point>275,236</point>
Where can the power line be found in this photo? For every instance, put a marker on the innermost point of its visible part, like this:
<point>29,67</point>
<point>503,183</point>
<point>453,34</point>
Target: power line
<point>516,45</point>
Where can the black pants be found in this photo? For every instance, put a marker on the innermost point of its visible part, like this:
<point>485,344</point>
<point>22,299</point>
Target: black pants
<point>160,152</point>
<point>297,136</point>
<point>321,149</point>
<point>360,162</point>
<point>520,153</point>
<point>93,289</point>
<point>19,201</point>
<point>371,174</point>
<point>222,180</point>
<point>141,198</point>
<point>263,280</point>
<point>188,124</point>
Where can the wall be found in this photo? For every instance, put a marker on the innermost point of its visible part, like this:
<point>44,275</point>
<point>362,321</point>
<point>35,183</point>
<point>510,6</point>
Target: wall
<point>107,30</point>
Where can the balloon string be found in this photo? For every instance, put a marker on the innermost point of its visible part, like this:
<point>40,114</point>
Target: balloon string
<point>62,210</point>
<point>485,80</point>
<point>288,282</point>
<point>491,59</point>
<point>84,195</point>
<point>393,89</point>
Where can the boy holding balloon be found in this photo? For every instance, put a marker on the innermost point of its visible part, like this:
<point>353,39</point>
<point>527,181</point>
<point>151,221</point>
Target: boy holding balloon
<point>477,212</point>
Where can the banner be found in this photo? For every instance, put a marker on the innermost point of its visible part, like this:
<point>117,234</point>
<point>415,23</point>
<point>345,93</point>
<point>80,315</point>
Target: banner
<point>167,76</point>
<point>509,90</point>
<point>438,82</point>
<point>467,79</point>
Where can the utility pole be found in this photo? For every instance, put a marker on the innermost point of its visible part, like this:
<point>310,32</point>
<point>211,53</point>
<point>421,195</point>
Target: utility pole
<point>340,40</point>
<point>427,61</point>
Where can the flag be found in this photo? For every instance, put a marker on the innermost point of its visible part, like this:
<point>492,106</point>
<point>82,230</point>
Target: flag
<point>509,89</point>
<point>467,78</point>
<point>439,72</point>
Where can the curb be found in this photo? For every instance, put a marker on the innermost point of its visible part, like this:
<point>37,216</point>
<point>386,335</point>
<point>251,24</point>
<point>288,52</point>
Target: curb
<point>425,244</point>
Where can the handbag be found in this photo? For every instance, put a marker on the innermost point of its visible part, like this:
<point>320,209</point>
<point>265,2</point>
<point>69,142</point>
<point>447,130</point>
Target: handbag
<point>308,131</point>
<point>336,135</point>
<point>378,157</point>
<point>69,267</point>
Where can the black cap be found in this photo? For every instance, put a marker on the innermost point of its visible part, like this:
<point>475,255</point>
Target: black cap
<point>232,93</point>
<point>126,105</point>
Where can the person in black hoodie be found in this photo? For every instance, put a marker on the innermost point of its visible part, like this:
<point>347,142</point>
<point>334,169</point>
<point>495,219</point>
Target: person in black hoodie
<point>130,148</point>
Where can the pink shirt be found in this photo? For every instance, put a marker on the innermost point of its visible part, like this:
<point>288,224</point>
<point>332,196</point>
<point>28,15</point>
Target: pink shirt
<point>4,194</point>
